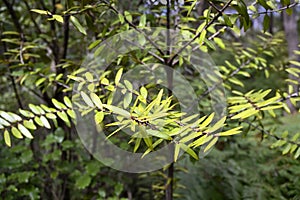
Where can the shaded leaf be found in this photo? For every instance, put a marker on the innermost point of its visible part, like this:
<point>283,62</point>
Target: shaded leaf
<point>77,25</point>
<point>211,144</point>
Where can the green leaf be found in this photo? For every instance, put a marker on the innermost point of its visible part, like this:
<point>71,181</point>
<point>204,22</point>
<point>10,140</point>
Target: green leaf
<point>127,100</point>
<point>117,110</point>
<point>94,44</point>
<point>128,16</point>
<point>62,115</point>
<point>45,122</point>
<point>191,136</point>
<point>7,138</point>
<point>230,132</point>
<point>99,116</point>
<point>189,118</point>
<point>42,12</point>
<point>137,144</point>
<point>144,92</point>
<point>287,149</point>
<point>121,18</point>
<point>83,181</point>
<point>219,42</point>
<point>38,121</point>
<point>29,124</point>
<point>297,154</point>
<point>227,20</point>
<point>50,116</point>
<point>71,113</point>
<point>143,20</point>
<point>58,18</point>
<point>218,125</point>
<point>104,81</point>
<point>236,82</point>
<point>89,76</point>
<point>4,122</point>
<point>159,134</point>
<point>207,121</point>
<point>202,36</point>
<point>188,150</point>
<point>57,104</point>
<point>7,117</point>
<point>34,109</point>
<point>202,140</point>
<point>211,144</point>
<point>95,98</point>
<point>266,22</point>
<point>118,76</point>
<point>26,113</point>
<point>77,25</point>
<point>176,152</point>
<point>245,114</point>
<point>24,131</point>
<point>86,99</point>
<point>16,133</point>
<point>68,102</point>
<point>128,85</point>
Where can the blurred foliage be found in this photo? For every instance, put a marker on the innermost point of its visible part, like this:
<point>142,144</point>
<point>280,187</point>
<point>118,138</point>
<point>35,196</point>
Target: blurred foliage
<point>256,172</point>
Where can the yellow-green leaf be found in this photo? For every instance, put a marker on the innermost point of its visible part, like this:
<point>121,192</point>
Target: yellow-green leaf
<point>7,138</point>
<point>50,116</point>
<point>67,101</point>
<point>176,152</point>
<point>24,131</point>
<point>64,117</point>
<point>118,76</point>
<point>245,114</point>
<point>207,121</point>
<point>158,134</point>
<point>230,132</point>
<point>211,144</point>
<point>202,36</point>
<point>16,133</point>
<point>42,12</point>
<point>58,18</point>
<point>188,150</point>
<point>29,124</point>
<point>99,116</point>
<point>77,25</point>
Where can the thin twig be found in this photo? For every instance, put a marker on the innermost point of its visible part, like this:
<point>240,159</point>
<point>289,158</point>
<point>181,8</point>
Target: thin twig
<point>198,34</point>
<point>138,30</point>
<point>257,127</point>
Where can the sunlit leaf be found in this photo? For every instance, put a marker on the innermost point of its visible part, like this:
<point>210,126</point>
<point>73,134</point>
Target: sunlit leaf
<point>230,132</point>
<point>16,133</point>
<point>24,131</point>
<point>7,138</point>
<point>99,116</point>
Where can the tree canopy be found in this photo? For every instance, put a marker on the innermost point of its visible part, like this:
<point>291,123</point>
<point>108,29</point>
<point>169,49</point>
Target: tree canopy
<point>111,99</point>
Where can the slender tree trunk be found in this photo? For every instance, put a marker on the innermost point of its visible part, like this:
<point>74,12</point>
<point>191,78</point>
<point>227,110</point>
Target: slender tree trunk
<point>169,71</point>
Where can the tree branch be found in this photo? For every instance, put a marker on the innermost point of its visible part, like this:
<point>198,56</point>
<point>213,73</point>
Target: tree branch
<point>198,34</point>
